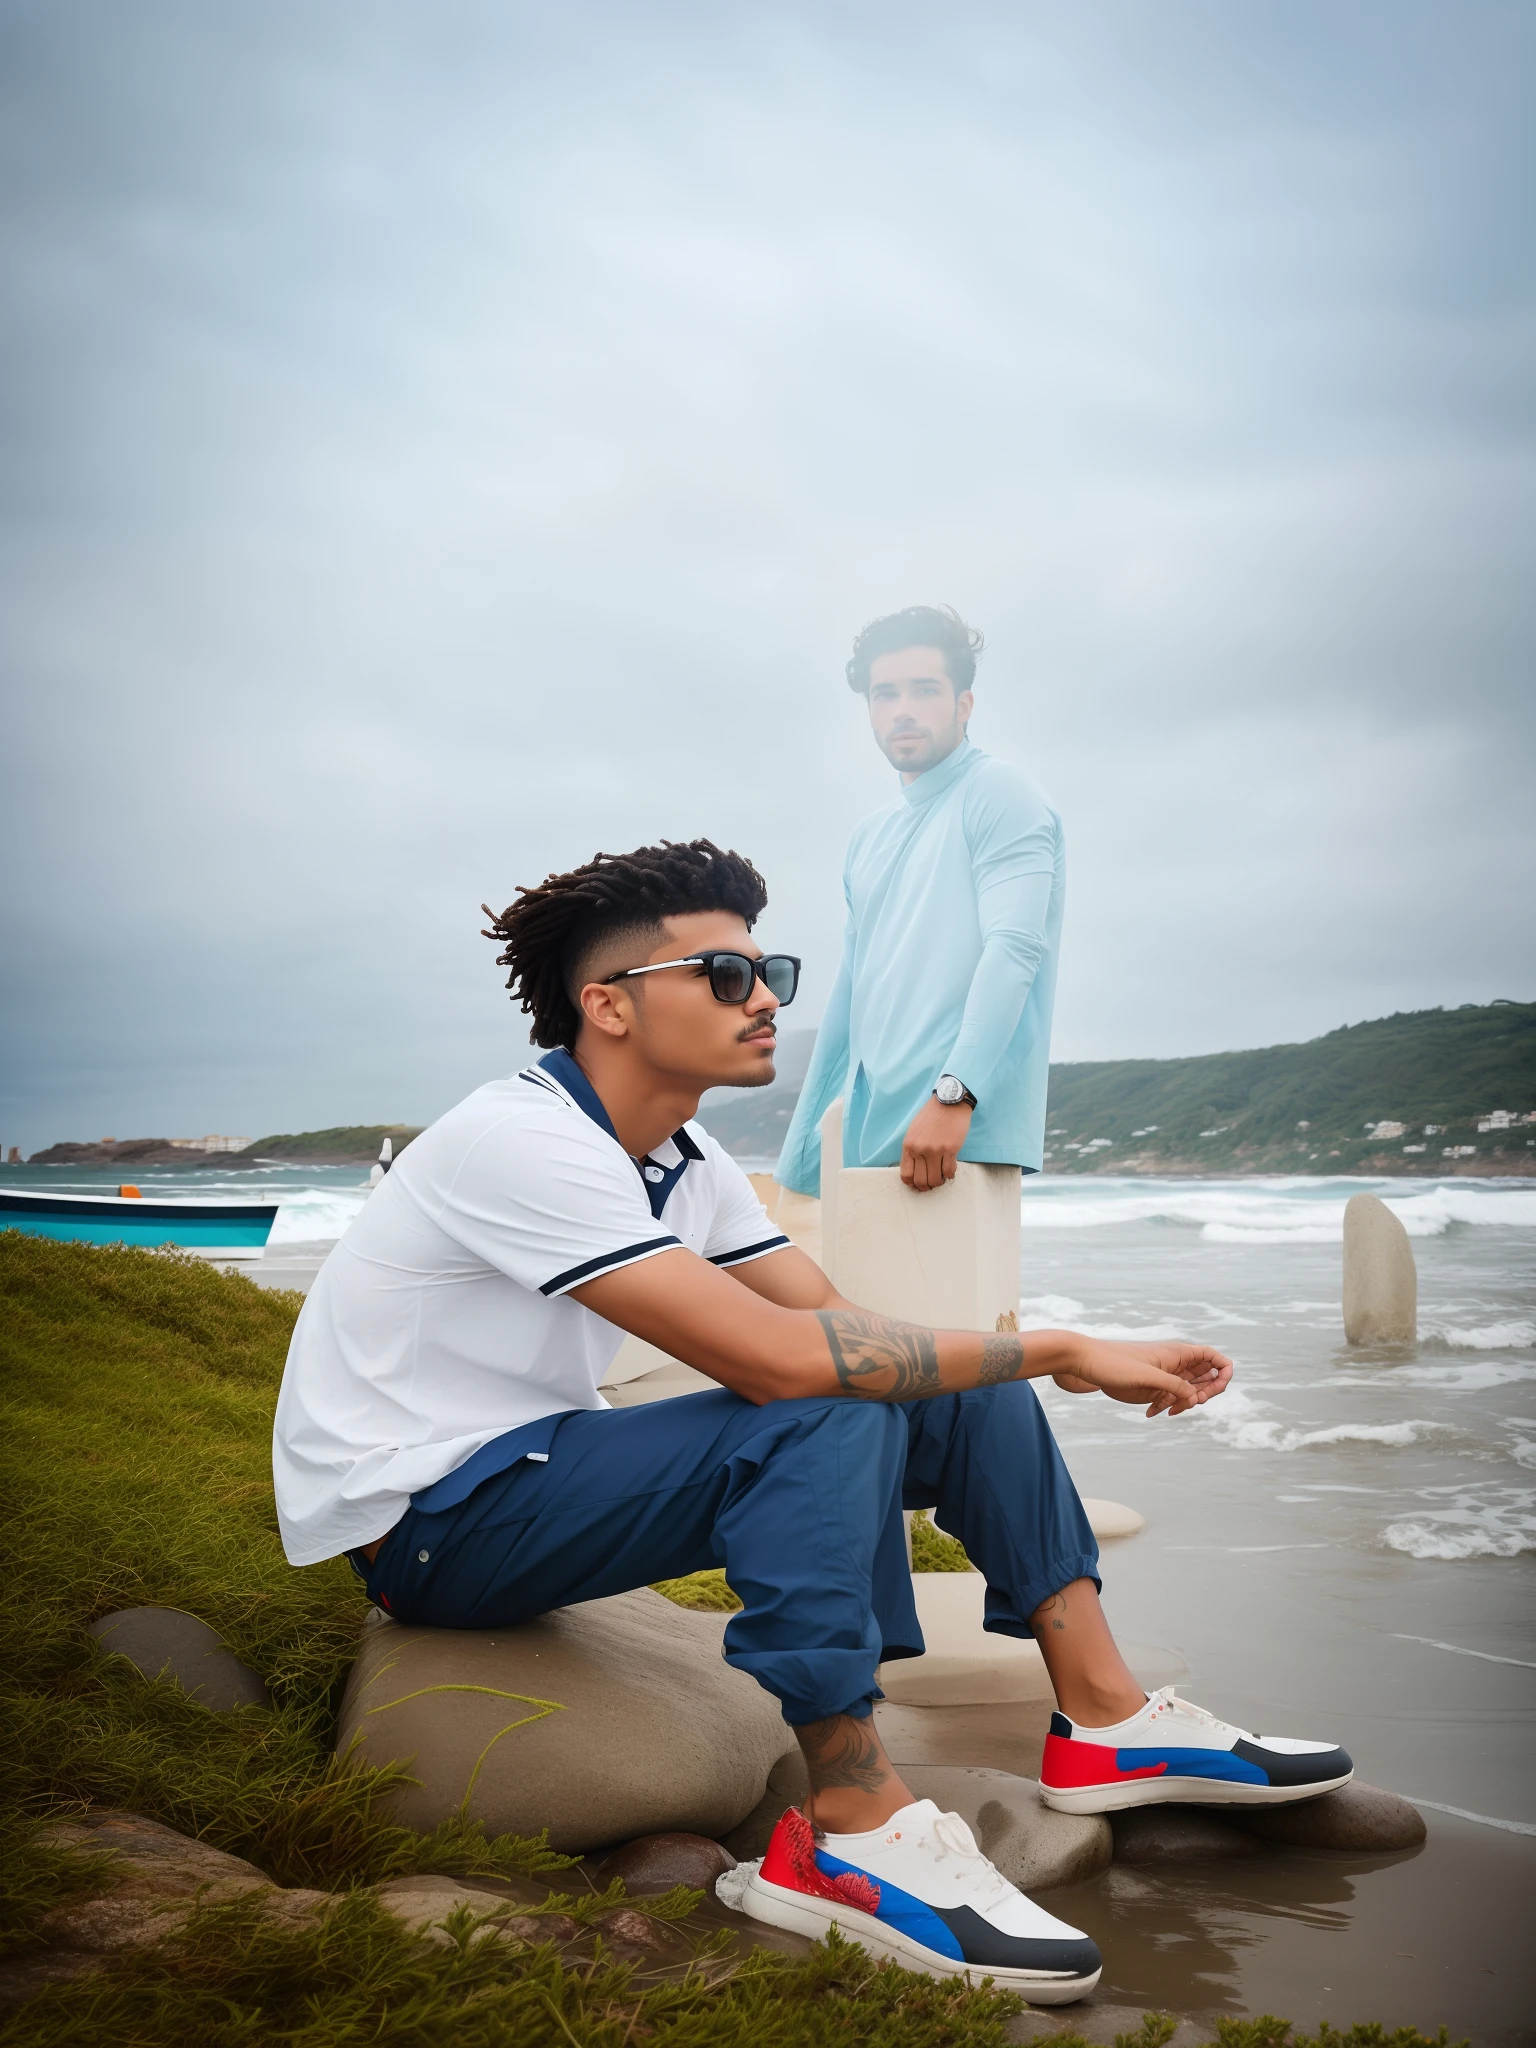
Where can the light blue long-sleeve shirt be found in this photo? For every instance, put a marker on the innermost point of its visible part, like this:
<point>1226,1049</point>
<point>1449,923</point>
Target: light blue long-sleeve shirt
<point>954,896</point>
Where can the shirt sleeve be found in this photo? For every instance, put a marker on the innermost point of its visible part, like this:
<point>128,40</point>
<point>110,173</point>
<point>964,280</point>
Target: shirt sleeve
<point>551,1201</point>
<point>740,1228</point>
<point>1015,842</point>
<point>799,1164</point>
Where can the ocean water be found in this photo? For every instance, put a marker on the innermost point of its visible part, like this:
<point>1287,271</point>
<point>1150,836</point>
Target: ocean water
<point>1344,1542</point>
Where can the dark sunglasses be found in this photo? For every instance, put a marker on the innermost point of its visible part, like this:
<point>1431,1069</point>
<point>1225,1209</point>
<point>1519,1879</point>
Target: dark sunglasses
<point>732,976</point>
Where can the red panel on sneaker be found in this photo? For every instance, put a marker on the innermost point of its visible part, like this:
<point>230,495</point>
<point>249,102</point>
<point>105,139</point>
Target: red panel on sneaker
<point>1074,1761</point>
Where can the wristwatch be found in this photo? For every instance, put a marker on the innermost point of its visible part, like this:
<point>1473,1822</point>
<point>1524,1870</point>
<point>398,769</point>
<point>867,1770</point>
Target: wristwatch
<point>952,1090</point>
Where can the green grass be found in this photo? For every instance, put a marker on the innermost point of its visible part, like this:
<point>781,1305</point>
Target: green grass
<point>932,1550</point>
<point>706,1590</point>
<point>134,1468</point>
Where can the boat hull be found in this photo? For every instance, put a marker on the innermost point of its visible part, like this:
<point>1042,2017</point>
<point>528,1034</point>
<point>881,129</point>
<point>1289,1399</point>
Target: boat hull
<point>214,1230</point>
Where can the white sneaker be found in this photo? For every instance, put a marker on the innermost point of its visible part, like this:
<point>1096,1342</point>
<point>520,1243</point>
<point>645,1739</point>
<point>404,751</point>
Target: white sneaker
<point>1174,1750</point>
<point>919,1891</point>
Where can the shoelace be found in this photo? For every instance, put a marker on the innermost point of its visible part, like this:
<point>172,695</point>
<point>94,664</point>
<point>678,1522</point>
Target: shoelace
<point>955,1839</point>
<point>1168,1696</point>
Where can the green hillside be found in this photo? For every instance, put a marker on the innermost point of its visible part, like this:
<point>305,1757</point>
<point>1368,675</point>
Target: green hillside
<point>343,1145</point>
<point>1311,1107</point>
<point>1281,1109</point>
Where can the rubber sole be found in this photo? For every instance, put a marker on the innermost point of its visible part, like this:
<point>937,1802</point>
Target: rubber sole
<point>798,1914</point>
<point>1180,1791</point>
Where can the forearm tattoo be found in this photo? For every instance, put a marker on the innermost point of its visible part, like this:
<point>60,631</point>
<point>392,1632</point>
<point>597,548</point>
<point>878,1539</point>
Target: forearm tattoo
<point>844,1753</point>
<point>879,1360</point>
<point>1002,1358</point>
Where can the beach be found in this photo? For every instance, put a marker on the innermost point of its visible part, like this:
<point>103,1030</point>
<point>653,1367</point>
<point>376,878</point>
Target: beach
<point>1342,1546</point>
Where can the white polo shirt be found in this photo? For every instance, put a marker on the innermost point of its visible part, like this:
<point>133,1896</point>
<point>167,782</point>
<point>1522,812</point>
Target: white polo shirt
<point>443,1318</point>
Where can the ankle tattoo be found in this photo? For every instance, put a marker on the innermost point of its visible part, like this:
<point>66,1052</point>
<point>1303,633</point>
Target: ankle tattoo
<point>1050,1614</point>
<point>843,1754</point>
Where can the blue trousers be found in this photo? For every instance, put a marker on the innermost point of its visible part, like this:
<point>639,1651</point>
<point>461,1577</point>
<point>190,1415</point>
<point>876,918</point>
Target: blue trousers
<point>800,1501</point>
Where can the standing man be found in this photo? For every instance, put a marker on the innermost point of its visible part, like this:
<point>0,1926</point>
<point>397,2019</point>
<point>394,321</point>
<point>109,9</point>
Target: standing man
<point>938,1031</point>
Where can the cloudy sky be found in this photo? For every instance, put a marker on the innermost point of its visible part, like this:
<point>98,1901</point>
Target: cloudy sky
<point>443,441</point>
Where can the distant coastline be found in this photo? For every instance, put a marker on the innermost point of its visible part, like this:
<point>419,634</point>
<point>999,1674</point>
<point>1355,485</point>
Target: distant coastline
<point>1427,1093</point>
<point>342,1145</point>
<point>1423,1094</point>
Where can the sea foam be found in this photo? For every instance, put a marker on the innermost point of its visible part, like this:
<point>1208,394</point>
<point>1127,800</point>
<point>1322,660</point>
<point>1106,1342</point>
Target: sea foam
<point>1268,1211</point>
<point>1241,1422</point>
<point>309,1215</point>
<point>1458,1533</point>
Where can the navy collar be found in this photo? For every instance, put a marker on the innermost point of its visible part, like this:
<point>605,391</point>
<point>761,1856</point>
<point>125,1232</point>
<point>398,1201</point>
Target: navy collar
<point>658,1176</point>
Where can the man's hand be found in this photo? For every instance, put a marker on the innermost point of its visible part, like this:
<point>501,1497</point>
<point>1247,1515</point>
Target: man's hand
<point>1140,1372</point>
<point>930,1151</point>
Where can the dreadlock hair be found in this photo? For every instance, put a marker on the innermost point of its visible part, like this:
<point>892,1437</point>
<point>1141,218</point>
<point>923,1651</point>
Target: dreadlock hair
<point>551,931</point>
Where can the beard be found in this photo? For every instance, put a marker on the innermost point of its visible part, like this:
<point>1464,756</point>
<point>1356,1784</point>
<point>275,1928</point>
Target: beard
<point>765,1077</point>
<point>931,748</point>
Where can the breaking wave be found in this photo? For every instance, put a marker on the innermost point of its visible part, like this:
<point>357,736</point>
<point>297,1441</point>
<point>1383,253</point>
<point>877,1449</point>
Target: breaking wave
<point>310,1215</point>
<point>1276,1211</point>
<point>1241,1423</point>
<point>1516,1335</point>
<point>1486,1529</point>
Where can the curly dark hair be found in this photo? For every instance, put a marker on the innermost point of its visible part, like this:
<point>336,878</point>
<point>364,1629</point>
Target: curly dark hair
<point>552,930</point>
<point>920,625</point>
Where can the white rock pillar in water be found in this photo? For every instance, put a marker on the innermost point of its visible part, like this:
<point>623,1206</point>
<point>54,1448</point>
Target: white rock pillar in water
<point>948,1258</point>
<point>1381,1281</point>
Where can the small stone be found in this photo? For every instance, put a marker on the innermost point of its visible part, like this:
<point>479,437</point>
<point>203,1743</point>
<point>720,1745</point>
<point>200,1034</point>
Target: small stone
<point>654,1863</point>
<point>527,1927</point>
<point>1110,1518</point>
<point>425,1902</point>
<point>629,1927</point>
<point>537,1927</point>
<point>1362,1818</point>
<point>166,1644</point>
<point>1176,1834</point>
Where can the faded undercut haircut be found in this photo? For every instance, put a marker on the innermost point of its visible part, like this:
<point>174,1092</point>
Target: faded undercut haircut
<point>550,933</point>
<point>920,625</point>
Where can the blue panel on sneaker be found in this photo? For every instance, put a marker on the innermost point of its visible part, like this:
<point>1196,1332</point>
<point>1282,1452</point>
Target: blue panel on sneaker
<point>900,1910</point>
<point>1194,1763</point>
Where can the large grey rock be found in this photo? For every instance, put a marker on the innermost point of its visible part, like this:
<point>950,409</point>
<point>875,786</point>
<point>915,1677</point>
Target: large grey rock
<point>1381,1281</point>
<point>165,1643</point>
<point>1032,1845</point>
<point>601,1722</point>
<point>1176,1834</point>
<point>1358,1817</point>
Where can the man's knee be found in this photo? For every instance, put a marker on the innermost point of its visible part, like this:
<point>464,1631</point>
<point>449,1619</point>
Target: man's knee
<point>871,1422</point>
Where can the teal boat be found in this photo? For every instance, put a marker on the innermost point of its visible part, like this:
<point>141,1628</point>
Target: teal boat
<point>216,1230</point>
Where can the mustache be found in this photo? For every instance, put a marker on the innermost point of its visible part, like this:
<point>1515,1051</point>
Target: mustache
<point>756,1031</point>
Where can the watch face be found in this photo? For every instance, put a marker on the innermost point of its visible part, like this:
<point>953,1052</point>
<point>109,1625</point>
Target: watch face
<point>950,1090</point>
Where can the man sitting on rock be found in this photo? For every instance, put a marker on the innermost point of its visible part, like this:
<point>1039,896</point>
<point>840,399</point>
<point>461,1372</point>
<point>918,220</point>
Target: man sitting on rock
<point>440,1421</point>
